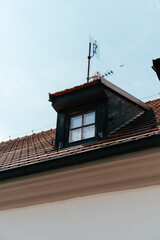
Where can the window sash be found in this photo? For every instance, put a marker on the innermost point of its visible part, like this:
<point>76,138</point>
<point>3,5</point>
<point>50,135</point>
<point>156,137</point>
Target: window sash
<point>82,134</point>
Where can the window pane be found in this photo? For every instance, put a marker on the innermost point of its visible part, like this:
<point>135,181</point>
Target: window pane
<point>89,118</point>
<point>75,135</point>
<point>89,132</point>
<point>76,121</point>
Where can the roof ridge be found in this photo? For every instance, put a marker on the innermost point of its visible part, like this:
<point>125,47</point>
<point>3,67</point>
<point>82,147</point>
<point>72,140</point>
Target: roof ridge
<point>26,136</point>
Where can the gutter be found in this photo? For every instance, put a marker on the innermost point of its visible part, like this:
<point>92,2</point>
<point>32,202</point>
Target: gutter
<point>117,148</point>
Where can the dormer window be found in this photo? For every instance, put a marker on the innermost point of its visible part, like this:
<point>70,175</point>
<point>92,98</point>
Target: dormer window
<point>82,127</point>
<point>82,114</point>
<point>91,112</point>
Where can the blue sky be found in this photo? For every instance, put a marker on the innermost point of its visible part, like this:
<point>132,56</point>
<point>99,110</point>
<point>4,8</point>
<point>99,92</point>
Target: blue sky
<point>44,48</point>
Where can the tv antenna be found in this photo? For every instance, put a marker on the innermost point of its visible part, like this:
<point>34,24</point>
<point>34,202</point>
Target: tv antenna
<point>93,51</point>
<point>108,73</point>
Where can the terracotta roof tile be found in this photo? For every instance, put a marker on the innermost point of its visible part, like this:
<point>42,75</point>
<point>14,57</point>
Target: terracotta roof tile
<point>155,105</point>
<point>39,148</point>
<point>25,150</point>
<point>85,85</point>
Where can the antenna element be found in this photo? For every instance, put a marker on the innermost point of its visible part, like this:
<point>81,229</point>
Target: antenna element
<point>95,51</point>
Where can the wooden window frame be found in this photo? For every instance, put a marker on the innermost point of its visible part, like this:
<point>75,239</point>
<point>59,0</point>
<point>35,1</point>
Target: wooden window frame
<point>82,126</point>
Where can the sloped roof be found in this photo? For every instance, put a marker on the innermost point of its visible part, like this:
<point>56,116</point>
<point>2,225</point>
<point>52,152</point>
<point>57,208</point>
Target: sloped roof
<point>96,82</point>
<point>85,85</point>
<point>26,150</point>
<point>38,148</point>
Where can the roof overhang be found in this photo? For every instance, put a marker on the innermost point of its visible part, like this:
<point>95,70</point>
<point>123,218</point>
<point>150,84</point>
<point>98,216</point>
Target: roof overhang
<point>103,151</point>
<point>89,92</point>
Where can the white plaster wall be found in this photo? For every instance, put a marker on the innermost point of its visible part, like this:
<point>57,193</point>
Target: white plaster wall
<point>124,215</point>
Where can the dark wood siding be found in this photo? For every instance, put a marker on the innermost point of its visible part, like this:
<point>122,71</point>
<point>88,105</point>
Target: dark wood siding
<point>60,131</point>
<point>120,111</point>
<point>102,120</point>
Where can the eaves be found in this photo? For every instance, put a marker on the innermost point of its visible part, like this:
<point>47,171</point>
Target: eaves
<point>99,151</point>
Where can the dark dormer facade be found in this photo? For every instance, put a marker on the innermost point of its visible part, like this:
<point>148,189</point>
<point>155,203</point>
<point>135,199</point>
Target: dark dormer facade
<point>92,112</point>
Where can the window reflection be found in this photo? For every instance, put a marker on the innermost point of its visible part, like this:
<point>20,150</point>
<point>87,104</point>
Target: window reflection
<point>89,118</point>
<point>89,132</point>
<point>75,135</point>
<point>76,121</point>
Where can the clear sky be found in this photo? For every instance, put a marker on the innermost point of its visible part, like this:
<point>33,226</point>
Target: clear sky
<point>44,48</point>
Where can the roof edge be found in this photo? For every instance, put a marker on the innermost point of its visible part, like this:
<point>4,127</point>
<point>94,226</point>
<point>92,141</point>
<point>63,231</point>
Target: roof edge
<point>82,157</point>
<point>105,83</point>
<point>73,89</point>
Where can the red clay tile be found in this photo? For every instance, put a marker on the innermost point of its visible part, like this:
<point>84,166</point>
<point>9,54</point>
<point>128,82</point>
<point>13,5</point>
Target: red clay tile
<point>38,147</point>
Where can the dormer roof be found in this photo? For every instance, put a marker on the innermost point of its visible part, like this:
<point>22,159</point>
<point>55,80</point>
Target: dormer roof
<point>98,82</point>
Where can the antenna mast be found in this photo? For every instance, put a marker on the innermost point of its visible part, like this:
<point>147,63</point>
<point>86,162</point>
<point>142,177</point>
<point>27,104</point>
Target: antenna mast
<point>89,58</point>
<point>92,44</point>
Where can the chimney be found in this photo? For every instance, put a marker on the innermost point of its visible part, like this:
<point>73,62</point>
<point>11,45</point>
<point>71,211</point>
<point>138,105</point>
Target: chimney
<point>156,67</point>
